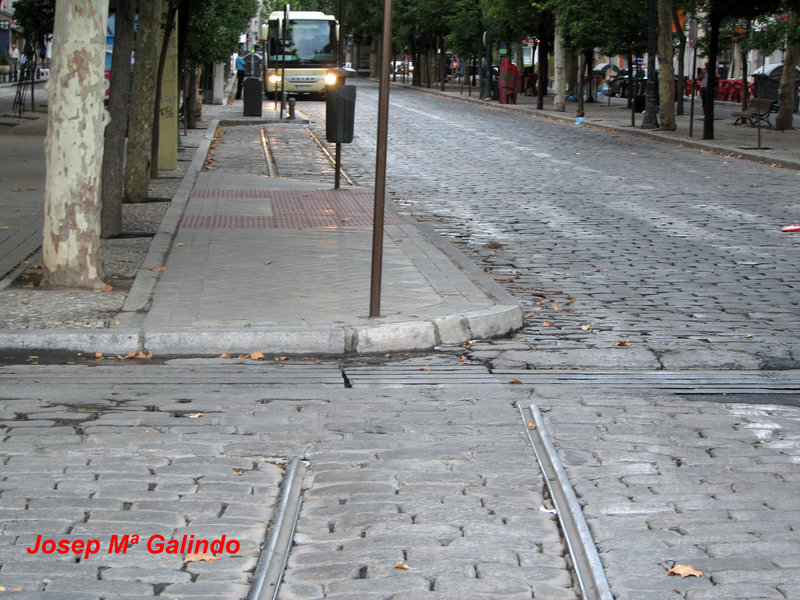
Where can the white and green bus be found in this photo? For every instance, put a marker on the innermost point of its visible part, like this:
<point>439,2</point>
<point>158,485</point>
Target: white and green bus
<point>309,43</point>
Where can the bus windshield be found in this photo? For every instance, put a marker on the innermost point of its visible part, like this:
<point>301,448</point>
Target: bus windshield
<point>309,42</point>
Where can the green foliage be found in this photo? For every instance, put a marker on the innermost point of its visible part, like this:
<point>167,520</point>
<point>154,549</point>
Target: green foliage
<point>214,28</point>
<point>36,18</point>
<point>464,24</point>
<point>615,26</point>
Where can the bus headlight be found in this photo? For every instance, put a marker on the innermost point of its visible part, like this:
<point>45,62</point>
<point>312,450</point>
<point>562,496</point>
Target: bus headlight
<point>273,78</point>
<point>331,78</point>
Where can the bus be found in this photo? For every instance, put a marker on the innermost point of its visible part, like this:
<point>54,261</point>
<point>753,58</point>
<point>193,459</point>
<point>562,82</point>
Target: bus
<point>309,54</point>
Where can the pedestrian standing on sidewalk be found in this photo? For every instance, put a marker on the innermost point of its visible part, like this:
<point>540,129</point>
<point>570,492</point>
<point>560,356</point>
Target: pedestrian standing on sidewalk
<point>13,55</point>
<point>240,68</point>
<point>704,87</point>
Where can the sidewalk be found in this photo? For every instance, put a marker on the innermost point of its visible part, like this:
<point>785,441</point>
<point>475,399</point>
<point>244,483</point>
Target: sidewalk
<point>244,262</point>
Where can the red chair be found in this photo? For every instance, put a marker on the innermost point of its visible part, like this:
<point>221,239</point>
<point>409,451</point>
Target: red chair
<point>735,94</point>
<point>723,89</point>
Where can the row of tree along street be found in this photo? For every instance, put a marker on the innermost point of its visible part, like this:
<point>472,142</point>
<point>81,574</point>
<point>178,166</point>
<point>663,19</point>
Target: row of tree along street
<point>425,29</point>
<point>174,38</point>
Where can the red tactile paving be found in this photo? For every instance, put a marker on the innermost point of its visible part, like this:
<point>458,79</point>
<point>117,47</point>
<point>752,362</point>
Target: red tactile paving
<point>295,210</point>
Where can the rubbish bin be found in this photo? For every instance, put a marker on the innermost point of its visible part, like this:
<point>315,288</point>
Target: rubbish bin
<point>252,97</point>
<point>340,113</point>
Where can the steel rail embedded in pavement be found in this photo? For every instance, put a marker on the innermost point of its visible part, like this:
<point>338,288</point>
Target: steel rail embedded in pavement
<point>585,559</point>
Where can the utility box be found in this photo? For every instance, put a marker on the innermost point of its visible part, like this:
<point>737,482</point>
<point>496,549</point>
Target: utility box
<point>252,97</point>
<point>340,113</point>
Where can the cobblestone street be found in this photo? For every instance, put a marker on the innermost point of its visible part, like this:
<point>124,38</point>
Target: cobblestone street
<point>624,252</point>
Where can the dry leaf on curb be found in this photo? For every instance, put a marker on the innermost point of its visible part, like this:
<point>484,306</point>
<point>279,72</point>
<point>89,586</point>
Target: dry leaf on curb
<point>140,355</point>
<point>556,307</point>
<point>199,557</point>
<point>532,425</point>
<point>401,565</point>
<point>98,356</point>
<point>549,324</point>
<point>159,269</point>
<point>684,571</point>
<point>622,343</point>
<point>224,355</point>
<point>515,382</point>
<point>238,472</point>
<point>194,415</point>
<point>256,355</point>
<point>463,359</point>
<point>425,368</point>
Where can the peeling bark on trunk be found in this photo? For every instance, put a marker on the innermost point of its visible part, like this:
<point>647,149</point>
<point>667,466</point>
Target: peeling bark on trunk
<point>142,106</point>
<point>560,65</point>
<point>74,147</point>
<point>666,80</point>
<point>114,146</point>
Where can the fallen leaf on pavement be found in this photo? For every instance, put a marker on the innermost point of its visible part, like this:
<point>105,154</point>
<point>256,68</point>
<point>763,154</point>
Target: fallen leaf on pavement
<point>199,557</point>
<point>140,355</point>
<point>622,343</point>
<point>425,368</point>
<point>515,382</point>
<point>224,355</point>
<point>549,324</point>
<point>159,269</point>
<point>194,415</point>
<point>532,425</point>
<point>684,571</point>
<point>401,565</point>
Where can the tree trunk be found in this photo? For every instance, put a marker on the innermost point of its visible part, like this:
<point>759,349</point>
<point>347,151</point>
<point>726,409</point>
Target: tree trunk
<point>544,70</point>
<point>681,59</point>
<point>169,25</point>
<point>666,80</point>
<point>581,66</point>
<point>142,104</point>
<point>745,92</point>
<point>114,146</point>
<point>786,87</point>
<point>190,100</point>
<point>560,64</point>
<point>708,121</point>
<point>74,147</point>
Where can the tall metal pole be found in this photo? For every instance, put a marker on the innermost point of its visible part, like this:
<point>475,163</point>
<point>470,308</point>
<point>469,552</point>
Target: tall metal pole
<point>339,64</point>
<point>380,163</point>
<point>650,120</point>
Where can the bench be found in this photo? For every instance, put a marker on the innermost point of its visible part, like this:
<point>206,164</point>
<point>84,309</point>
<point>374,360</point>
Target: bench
<point>758,109</point>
